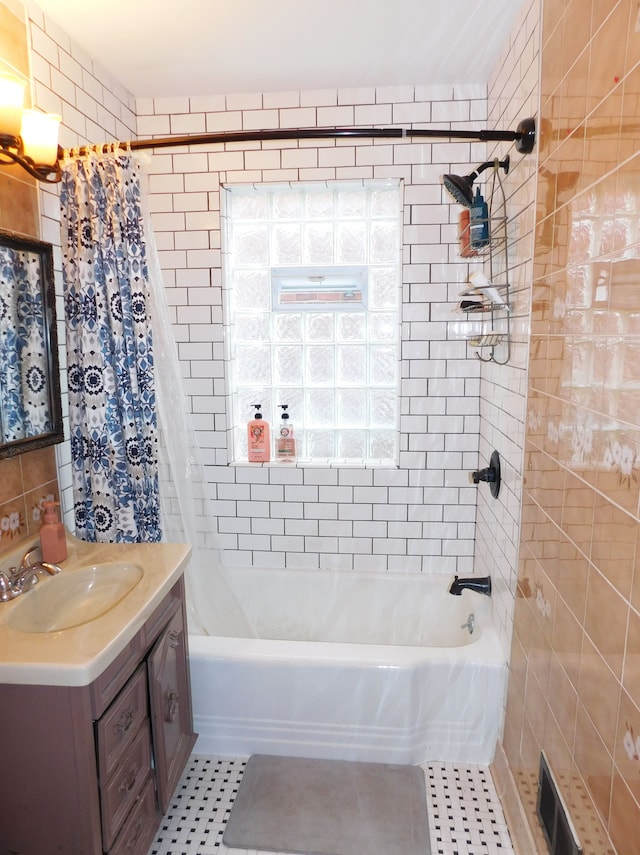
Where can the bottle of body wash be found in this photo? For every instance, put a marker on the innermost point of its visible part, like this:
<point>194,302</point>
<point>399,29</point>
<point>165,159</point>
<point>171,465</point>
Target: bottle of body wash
<point>53,540</point>
<point>479,222</point>
<point>258,438</point>
<point>285,443</point>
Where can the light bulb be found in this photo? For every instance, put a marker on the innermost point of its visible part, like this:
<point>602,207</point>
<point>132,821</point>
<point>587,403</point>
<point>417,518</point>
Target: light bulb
<point>40,136</point>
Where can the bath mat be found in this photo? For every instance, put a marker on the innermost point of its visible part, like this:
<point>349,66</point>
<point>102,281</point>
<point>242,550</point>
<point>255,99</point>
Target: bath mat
<point>329,807</point>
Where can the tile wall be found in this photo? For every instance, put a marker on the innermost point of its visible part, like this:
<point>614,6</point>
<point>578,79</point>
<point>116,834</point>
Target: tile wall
<point>421,515</point>
<point>513,95</point>
<point>574,690</point>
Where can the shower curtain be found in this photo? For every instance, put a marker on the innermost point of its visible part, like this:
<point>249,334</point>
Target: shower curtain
<point>109,351</point>
<point>183,491</point>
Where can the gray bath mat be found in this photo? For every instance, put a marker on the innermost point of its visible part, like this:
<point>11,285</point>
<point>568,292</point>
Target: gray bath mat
<point>329,807</point>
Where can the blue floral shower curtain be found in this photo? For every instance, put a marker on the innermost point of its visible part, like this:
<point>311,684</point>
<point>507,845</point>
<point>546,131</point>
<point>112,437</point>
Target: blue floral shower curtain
<point>109,351</point>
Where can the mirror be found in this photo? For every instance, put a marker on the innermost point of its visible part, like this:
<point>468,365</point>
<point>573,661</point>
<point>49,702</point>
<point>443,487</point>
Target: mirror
<point>30,408</point>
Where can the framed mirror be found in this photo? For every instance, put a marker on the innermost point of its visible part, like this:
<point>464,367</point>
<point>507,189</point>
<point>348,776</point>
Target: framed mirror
<point>30,408</point>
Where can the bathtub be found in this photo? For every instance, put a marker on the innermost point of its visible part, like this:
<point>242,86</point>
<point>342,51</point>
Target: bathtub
<point>344,665</point>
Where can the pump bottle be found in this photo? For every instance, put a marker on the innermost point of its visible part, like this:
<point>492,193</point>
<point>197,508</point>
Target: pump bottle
<point>285,443</point>
<point>258,438</point>
<point>53,541</point>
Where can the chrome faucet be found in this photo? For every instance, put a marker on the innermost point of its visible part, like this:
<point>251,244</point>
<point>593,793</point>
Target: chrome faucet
<point>481,584</point>
<point>470,623</point>
<point>17,580</point>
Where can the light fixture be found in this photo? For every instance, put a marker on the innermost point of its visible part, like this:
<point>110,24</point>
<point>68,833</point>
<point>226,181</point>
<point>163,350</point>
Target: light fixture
<point>28,138</point>
<point>460,187</point>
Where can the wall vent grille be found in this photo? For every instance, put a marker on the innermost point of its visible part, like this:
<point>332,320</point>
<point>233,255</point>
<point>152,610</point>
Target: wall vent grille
<point>554,817</point>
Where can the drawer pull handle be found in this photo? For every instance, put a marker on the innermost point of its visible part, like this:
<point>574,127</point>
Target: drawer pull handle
<point>173,699</point>
<point>124,722</point>
<point>133,840</point>
<point>127,785</point>
<point>174,638</point>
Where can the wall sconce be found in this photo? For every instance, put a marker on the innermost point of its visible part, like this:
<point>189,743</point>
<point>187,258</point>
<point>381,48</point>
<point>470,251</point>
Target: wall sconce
<point>27,137</point>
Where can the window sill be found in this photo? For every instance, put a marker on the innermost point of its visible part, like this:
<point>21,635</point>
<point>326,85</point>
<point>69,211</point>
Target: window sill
<point>321,464</point>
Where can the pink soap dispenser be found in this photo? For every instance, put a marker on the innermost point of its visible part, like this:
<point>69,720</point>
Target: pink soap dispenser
<point>53,540</point>
<point>258,438</point>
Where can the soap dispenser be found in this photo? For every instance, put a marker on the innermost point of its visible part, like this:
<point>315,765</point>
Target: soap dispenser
<point>285,443</point>
<point>258,438</point>
<point>53,540</point>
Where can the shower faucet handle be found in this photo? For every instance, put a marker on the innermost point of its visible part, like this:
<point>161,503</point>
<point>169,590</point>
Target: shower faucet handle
<point>490,474</point>
<point>487,474</point>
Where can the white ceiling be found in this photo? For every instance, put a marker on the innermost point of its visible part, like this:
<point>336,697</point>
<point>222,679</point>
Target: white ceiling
<point>209,47</point>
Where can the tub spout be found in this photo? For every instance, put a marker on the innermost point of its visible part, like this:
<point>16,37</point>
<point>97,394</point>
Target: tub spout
<point>480,584</point>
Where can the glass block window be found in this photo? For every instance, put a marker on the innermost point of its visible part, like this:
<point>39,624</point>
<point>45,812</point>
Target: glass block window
<point>312,297</point>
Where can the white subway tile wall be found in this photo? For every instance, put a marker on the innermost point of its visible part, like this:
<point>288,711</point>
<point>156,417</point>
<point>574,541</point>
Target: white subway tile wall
<point>420,515</point>
<point>513,95</point>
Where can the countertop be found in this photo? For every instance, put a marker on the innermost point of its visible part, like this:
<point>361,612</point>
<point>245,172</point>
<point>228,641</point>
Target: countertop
<point>76,656</point>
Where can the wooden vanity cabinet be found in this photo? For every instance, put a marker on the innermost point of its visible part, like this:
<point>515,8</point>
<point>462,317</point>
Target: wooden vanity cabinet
<point>91,770</point>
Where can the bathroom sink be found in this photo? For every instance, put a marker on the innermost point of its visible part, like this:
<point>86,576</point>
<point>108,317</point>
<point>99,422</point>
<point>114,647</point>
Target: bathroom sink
<point>73,598</point>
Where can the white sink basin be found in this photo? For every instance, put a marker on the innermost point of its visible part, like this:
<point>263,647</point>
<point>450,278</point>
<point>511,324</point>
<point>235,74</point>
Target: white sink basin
<point>73,598</point>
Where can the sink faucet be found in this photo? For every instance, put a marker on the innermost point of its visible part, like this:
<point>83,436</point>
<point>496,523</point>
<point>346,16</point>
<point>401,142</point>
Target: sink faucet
<point>24,577</point>
<point>481,584</point>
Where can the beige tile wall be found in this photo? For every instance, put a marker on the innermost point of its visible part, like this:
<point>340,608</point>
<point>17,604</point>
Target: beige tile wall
<point>29,479</point>
<point>574,689</point>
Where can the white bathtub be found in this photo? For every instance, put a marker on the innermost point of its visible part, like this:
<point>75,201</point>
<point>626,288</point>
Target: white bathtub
<point>355,666</point>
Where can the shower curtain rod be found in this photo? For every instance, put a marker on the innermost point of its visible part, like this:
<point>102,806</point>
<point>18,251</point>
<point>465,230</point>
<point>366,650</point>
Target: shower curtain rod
<point>524,136</point>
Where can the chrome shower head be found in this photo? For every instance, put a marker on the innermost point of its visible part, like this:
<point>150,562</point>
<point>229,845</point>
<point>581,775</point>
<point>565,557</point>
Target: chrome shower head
<point>460,187</point>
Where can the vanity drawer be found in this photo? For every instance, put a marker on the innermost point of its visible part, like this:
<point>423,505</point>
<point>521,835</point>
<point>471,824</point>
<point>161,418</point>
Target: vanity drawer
<point>121,722</point>
<point>139,829</point>
<point>120,792</point>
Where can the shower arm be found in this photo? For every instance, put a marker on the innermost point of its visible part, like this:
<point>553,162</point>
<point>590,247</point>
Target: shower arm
<point>489,164</point>
<point>524,137</point>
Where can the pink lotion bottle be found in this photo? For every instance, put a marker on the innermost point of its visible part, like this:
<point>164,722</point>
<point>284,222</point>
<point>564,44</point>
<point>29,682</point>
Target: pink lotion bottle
<point>53,540</point>
<point>258,438</point>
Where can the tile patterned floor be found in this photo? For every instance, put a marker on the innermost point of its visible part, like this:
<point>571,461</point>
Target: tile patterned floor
<point>465,816</point>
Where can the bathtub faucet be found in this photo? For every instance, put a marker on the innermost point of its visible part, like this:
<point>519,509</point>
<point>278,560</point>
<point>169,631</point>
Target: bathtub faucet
<point>480,584</point>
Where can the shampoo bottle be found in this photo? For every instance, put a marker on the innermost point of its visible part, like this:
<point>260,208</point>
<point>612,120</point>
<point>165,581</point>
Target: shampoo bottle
<point>285,444</point>
<point>479,222</point>
<point>53,541</point>
<point>258,439</point>
<point>464,234</point>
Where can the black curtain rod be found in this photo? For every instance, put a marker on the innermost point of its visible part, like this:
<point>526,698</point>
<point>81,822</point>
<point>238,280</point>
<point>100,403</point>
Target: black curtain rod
<point>524,136</point>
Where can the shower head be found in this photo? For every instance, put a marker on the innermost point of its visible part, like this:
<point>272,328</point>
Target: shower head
<point>460,187</point>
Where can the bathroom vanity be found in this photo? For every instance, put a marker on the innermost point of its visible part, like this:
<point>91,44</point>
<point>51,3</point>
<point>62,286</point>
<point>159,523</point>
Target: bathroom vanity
<point>93,743</point>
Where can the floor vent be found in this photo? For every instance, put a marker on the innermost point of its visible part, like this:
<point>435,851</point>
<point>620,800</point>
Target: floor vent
<point>554,817</point>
